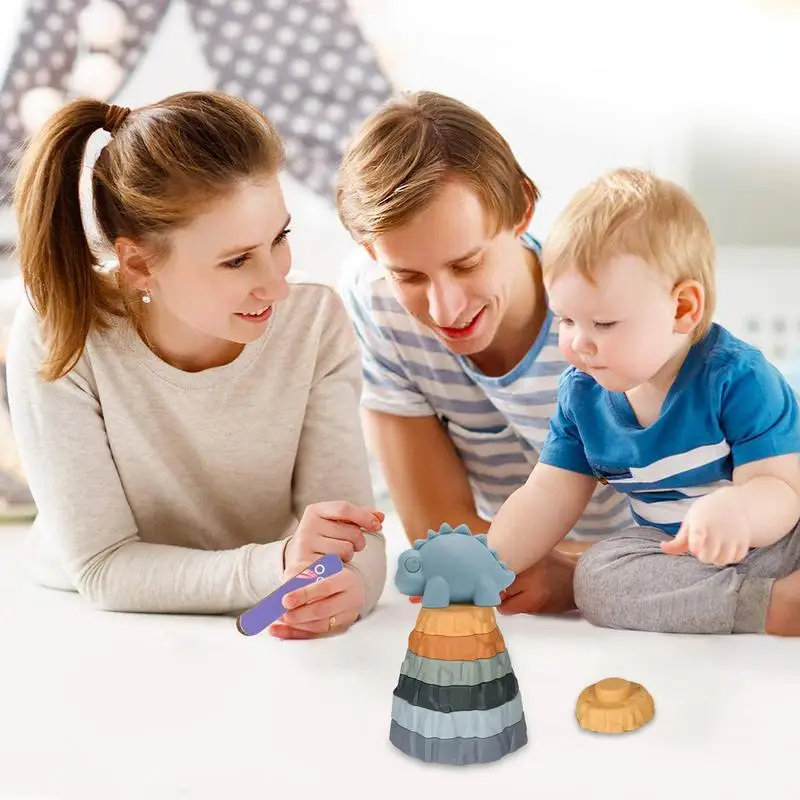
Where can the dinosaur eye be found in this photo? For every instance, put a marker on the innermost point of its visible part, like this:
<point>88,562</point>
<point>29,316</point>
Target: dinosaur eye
<point>319,569</point>
<point>413,565</point>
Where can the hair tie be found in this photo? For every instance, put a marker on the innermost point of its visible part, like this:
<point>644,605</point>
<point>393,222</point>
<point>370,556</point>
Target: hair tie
<point>115,116</point>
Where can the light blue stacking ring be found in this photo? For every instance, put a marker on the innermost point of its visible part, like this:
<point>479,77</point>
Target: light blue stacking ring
<point>439,672</point>
<point>455,724</point>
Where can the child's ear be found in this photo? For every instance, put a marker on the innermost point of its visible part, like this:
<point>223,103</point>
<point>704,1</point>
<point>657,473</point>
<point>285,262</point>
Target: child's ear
<point>689,297</point>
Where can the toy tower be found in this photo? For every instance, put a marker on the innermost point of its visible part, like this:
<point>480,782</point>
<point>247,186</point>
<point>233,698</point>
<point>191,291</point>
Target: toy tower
<point>457,700</point>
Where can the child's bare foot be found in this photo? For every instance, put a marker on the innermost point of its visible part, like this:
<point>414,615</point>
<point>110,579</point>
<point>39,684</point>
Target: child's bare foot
<point>783,614</point>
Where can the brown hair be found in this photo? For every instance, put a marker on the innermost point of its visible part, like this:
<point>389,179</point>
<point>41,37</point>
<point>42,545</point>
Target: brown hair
<point>165,163</point>
<point>403,153</point>
<point>634,212</point>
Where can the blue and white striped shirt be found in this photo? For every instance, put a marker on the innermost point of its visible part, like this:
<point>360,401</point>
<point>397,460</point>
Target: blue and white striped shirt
<point>727,406</point>
<point>497,424</point>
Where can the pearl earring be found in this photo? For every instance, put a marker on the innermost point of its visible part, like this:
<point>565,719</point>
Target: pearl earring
<point>146,296</point>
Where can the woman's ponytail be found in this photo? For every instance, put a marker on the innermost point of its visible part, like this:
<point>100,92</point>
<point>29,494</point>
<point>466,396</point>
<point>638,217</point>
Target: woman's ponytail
<point>59,269</point>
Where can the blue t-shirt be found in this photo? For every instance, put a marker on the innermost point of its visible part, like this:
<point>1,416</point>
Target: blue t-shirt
<point>728,406</point>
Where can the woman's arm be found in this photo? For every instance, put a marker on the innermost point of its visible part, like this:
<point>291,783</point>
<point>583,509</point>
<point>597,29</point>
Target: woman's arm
<point>83,509</point>
<point>332,459</point>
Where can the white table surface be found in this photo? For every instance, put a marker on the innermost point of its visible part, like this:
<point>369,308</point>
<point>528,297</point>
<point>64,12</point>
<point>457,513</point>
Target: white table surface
<point>104,705</point>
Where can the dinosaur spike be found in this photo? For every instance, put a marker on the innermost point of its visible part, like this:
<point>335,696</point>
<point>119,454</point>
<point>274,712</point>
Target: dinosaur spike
<point>482,538</point>
<point>504,565</point>
<point>419,543</point>
<point>431,534</point>
<point>463,529</point>
<point>445,528</point>
<point>494,552</point>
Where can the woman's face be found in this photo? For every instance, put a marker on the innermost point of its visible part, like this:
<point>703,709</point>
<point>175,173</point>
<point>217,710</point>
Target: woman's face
<point>223,275</point>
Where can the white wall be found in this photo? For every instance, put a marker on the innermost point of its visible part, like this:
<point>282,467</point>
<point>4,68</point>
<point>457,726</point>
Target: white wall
<point>580,86</point>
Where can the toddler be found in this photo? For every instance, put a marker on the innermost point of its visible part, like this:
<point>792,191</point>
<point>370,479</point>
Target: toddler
<point>694,425</point>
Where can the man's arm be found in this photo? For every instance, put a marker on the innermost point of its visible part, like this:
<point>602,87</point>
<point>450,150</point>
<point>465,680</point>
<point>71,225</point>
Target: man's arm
<point>425,476</point>
<point>538,515</point>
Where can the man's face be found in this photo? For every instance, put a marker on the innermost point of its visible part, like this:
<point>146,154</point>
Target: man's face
<point>449,272</point>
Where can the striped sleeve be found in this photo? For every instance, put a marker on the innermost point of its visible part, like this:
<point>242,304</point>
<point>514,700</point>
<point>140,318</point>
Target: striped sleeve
<point>388,387</point>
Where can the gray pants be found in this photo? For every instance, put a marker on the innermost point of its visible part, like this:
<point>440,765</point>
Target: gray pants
<point>627,582</point>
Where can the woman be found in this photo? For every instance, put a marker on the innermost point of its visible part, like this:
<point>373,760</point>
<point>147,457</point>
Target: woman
<point>187,421</point>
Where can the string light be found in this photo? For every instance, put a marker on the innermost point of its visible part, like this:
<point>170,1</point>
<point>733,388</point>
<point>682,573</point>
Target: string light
<point>95,72</point>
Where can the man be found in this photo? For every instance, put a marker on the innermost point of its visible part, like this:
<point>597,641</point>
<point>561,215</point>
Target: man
<point>460,354</point>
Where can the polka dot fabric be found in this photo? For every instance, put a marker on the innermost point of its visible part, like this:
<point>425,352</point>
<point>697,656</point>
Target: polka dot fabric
<point>44,56</point>
<point>305,63</point>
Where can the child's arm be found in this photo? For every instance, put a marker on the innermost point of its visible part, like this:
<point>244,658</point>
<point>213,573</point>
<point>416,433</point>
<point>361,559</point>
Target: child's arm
<point>760,417</point>
<point>768,494</point>
<point>761,507</point>
<point>547,506</point>
<point>538,515</point>
<point>760,420</point>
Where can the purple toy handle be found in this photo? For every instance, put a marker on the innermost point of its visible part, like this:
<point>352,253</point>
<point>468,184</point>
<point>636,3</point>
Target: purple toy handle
<point>266,611</point>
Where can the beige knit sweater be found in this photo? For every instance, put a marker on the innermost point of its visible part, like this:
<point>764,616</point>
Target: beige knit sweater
<point>167,491</point>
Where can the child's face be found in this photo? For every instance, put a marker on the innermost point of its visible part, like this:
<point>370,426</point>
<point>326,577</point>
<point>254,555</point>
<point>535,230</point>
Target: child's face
<point>622,330</point>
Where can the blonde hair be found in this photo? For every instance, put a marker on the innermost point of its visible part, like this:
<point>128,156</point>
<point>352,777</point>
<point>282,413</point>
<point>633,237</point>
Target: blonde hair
<point>164,164</point>
<point>403,154</point>
<point>634,212</point>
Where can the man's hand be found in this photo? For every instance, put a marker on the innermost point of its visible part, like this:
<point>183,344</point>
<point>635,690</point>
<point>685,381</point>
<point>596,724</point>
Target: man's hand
<point>715,529</point>
<point>544,588</point>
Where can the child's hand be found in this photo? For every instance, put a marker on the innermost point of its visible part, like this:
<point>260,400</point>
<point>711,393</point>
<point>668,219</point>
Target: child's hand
<point>715,530</point>
<point>333,604</point>
<point>329,529</point>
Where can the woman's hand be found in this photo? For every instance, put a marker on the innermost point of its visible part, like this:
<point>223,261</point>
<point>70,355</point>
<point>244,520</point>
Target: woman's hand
<point>329,528</point>
<point>327,606</point>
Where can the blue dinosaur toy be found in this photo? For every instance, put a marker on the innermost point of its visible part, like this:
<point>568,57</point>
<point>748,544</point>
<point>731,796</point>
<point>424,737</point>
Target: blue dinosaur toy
<point>451,566</point>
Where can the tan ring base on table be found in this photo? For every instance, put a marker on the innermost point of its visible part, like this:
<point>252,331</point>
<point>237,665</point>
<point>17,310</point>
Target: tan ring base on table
<point>614,705</point>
